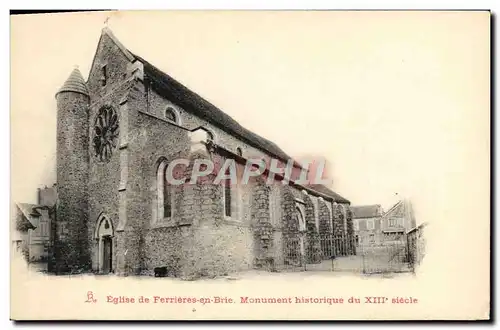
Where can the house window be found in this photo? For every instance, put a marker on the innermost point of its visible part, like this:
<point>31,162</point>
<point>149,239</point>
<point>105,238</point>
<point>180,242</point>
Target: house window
<point>370,225</point>
<point>392,222</point>
<point>170,115</point>
<point>239,152</point>
<point>356,225</point>
<point>104,75</point>
<point>372,238</point>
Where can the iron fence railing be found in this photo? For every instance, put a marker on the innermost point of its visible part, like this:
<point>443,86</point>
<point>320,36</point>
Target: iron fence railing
<point>326,252</point>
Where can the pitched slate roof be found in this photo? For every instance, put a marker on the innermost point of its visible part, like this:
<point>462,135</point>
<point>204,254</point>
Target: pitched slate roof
<point>366,211</point>
<point>173,90</point>
<point>327,191</point>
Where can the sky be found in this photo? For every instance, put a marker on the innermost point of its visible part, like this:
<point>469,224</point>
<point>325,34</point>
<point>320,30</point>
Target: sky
<point>397,102</point>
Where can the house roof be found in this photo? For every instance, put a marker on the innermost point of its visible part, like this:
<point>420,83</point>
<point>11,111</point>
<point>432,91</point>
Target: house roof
<point>27,212</point>
<point>170,88</point>
<point>28,209</point>
<point>366,211</point>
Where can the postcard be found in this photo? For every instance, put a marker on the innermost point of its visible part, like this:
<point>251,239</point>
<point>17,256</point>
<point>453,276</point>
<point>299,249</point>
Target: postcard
<point>250,165</point>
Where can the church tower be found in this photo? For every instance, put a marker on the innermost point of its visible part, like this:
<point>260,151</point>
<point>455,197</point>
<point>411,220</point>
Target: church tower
<point>71,241</point>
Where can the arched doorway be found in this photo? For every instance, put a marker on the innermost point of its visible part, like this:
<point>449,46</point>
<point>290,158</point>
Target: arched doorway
<point>104,236</point>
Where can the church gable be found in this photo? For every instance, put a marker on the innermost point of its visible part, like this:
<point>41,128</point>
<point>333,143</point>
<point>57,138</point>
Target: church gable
<point>109,66</point>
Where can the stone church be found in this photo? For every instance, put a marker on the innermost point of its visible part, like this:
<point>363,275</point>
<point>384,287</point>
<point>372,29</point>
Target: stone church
<point>115,212</point>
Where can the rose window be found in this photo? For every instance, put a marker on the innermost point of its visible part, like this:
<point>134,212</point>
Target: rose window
<point>105,133</point>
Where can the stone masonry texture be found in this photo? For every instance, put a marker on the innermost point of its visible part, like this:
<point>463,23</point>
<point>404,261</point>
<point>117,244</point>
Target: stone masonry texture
<point>71,245</point>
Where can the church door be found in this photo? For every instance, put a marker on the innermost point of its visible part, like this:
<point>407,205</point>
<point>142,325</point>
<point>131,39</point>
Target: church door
<point>107,254</point>
<point>104,245</point>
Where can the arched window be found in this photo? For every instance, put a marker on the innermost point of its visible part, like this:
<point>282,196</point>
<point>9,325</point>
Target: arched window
<point>167,196</point>
<point>164,193</point>
<point>227,196</point>
<point>300,218</point>
<point>171,115</point>
<point>239,152</point>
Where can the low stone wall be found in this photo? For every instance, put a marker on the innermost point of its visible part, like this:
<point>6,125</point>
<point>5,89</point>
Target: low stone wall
<point>205,250</point>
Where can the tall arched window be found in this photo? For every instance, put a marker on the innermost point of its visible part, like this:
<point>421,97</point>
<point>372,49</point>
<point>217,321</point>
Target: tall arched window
<point>300,218</point>
<point>164,193</point>
<point>227,196</point>
<point>167,196</point>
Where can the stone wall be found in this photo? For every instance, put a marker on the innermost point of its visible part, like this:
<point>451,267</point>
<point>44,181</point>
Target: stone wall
<point>159,243</point>
<point>338,220</point>
<point>290,228</point>
<point>325,230</point>
<point>201,241</point>
<point>218,250</point>
<point>71,246</point>
<point>312,242</point>
<point>350,231</point>
<point>107,188</point>
<point>261,225</point>
<point>105,178</point>
<point>108,54</point>
<point>325,226</point>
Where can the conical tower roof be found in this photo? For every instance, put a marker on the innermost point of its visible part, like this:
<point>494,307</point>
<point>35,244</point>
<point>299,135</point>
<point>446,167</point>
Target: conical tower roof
<point>75,83</point>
